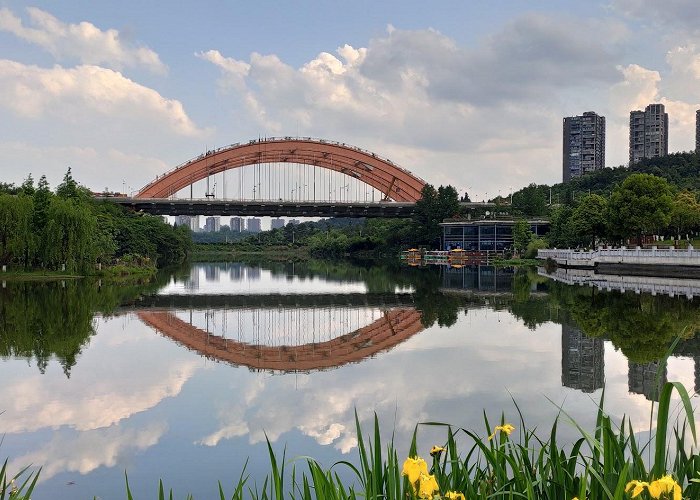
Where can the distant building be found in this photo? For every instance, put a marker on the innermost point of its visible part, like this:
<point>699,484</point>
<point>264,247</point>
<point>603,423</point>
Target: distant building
<point>254,225</point>
<point>293,222</point>
<point>648,133</point>
<point>584,144</point>
<point>237,224</point>
<point>642,379</point>
<point>485,235</point>
<point>212,224</point>
<point>277,223</point>
<point>582,360</point>
<point>697,131</point>
<point>191,221</point>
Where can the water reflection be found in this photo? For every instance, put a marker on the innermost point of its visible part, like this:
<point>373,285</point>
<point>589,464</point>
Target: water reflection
<point>390,329</point>
<point>409,344</point>
<point>654,285</point>
<point>582,360</point>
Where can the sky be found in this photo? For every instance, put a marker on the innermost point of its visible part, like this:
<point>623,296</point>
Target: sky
<point>465,93</point>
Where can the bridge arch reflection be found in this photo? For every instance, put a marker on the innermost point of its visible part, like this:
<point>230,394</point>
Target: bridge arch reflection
<point>391,328</point>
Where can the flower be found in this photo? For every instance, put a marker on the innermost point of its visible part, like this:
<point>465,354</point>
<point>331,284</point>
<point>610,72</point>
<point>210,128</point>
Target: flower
<point>428,486</point>
<point>665,484</point>
<point>436,450</point>
<point>507,428</point>
<point>638,487</point>
<point>413,468</point>
<point>453,495</point>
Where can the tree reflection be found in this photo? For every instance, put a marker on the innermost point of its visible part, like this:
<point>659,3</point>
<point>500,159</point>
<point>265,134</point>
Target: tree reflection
<point>44,320</point>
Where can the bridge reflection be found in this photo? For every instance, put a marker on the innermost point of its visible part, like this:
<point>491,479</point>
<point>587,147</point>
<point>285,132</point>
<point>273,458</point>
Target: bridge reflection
<point>390,329</point>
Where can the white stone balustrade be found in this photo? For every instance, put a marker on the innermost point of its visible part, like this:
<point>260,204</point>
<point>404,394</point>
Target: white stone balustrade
<point>644,256</point>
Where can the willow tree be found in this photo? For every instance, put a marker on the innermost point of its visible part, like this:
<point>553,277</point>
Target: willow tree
<point>69,236</point>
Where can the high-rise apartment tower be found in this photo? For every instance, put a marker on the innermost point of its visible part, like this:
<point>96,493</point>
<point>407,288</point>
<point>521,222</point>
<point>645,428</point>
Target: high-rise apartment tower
<point>584,144</point>
<point>648,133</point>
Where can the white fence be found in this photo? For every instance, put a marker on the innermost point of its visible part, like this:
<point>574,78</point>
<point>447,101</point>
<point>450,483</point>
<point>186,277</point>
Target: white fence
<point>648,256</point>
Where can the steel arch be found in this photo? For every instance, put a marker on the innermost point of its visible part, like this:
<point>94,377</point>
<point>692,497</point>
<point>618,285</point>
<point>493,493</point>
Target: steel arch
<point>395,182</point>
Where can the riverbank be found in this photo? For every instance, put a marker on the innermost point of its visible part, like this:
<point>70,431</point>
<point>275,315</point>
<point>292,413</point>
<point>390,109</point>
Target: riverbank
<point>116,272</point>
<point>228,253</point>
<point>37,275</point>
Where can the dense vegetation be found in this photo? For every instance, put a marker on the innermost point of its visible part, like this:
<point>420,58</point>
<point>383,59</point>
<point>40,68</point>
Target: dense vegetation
<point>370,237</point>
<point>615,205</point>
<point>69,231</point>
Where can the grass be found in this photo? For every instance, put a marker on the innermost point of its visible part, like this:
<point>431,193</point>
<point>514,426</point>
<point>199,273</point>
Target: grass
<point>36,275</point>
<point>519,465</point>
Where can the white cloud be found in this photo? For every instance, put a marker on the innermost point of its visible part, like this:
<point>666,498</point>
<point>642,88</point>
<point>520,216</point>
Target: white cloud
<point>431,105</point>
<point>83,42</point>
<point>94,167</point>
<point>71,93</point>
<point>97,395</point>
<point>89,450</point>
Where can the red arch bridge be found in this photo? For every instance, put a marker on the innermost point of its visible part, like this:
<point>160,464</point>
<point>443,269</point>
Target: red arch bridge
<point>283,176</point>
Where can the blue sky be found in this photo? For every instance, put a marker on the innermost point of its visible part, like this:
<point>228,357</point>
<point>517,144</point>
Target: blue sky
<point>466,93</point>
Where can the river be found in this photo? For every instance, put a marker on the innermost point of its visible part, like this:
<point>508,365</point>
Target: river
<point>185,377</point>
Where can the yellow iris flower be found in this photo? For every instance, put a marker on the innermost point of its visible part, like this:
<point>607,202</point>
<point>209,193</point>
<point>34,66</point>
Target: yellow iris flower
<point>428,486</point>
<point>436,450</point>
<point>666,484</point>
<point>413,468</point>
<point>453,495</point>
<point>507,428</point>
<point>636,486</point>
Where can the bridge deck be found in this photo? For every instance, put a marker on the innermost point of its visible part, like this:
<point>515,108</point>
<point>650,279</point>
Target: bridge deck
<point>167,206</point>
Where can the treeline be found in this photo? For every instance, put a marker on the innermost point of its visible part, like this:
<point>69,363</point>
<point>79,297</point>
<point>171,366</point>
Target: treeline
<point>680,170</point>
<point>643,204</point>
<point>68,230</point>
<point>333,238</point>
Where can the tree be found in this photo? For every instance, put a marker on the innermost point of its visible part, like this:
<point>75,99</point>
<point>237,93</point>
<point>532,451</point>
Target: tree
<point>68,189</point>
<point>640,205</point>
<point>588,220</point>
<point>685,213</point>
<point>530,201</point>
<point>560,234</point>
<point>70,236</point>
<point>15,214</point>
<point>433,208</point>
<point>27,186</point>
<point>522,235</point>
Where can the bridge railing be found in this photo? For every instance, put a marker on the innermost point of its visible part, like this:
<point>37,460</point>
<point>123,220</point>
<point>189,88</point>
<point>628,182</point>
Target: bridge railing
<point>283,139</point>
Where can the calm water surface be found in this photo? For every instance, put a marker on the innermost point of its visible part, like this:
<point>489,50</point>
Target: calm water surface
<point>182,379</point>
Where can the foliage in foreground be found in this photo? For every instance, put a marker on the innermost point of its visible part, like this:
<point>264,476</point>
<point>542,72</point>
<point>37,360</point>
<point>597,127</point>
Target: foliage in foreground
<point>608,463</point>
